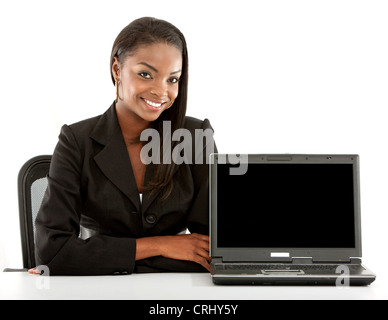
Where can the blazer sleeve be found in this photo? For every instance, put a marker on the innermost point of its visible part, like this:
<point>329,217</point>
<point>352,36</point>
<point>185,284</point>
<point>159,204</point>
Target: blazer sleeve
<point>57,244</point>
<point>198,218</point>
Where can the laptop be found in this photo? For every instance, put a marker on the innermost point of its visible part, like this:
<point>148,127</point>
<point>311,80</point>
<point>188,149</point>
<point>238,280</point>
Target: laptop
<point>286,220</point>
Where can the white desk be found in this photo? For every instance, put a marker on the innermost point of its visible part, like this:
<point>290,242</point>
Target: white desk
<point>167,286</point>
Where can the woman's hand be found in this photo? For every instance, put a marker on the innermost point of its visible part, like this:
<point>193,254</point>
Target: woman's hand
<point>34,271</point>
<point>190,247</point>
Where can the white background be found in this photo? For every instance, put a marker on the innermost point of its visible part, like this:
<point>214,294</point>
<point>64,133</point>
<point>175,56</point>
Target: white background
<point>278,76</point>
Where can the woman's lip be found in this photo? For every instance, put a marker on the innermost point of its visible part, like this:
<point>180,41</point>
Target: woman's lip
<point>153,106</point>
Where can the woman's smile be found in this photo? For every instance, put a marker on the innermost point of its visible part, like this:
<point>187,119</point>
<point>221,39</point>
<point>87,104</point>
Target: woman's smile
<point>154,105</point>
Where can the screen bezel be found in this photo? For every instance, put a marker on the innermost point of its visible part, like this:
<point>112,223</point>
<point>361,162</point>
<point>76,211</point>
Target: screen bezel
<point>284,254</point>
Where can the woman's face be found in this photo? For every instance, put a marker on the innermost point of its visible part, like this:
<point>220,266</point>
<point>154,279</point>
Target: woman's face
<point>149,80</point>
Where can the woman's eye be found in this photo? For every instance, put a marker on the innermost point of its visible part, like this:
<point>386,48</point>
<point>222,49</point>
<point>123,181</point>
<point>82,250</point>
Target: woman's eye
<point>174,80</point>
<point>144,75</point>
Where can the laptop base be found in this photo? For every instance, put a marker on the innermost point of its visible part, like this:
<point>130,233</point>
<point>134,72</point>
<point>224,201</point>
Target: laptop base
<point>325,274</point>
<point>291,281</point>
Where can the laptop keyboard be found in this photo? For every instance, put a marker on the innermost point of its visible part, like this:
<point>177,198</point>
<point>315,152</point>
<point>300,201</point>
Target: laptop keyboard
<point>306,268</point>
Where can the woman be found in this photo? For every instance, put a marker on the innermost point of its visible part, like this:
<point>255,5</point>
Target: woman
<point>107,212</point>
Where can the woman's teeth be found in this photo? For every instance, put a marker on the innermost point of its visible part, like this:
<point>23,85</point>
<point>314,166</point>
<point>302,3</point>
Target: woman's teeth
<point>153,104</point>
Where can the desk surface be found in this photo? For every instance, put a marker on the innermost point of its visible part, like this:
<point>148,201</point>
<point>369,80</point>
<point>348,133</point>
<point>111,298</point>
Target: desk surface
<point>164,286</point>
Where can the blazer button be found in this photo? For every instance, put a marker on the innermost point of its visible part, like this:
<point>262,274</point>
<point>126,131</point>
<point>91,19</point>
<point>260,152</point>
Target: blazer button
<point>151,219</point>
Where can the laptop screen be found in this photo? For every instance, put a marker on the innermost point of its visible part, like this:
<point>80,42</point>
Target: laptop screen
<point>283,205</point>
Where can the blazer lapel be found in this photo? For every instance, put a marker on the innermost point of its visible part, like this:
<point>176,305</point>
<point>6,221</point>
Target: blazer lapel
<point>113,160</point>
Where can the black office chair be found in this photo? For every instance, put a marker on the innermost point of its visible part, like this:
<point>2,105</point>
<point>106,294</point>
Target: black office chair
<point>32,185</point>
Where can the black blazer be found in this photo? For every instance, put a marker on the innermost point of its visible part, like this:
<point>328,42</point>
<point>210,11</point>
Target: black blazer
<point>91,214</point>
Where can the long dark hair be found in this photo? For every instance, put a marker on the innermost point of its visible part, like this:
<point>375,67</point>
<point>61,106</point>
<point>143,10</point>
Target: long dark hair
<point>146,31</point>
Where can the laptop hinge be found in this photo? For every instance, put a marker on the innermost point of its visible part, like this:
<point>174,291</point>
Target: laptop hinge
<point>302,260</point>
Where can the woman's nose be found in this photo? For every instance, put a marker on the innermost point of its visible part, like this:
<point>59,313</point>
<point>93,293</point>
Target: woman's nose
<point>160,89</point>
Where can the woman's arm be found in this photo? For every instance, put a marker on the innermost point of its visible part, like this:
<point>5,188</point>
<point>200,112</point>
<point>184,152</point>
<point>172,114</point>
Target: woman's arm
<point>191,247</point>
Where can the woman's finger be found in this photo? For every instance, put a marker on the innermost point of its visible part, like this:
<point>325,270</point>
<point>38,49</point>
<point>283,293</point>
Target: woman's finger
<point>204,263</point>
<point>204,254</point>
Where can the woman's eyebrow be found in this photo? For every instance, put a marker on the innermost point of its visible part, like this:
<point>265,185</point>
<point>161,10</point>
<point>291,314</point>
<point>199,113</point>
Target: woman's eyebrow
<point>148,66</point>
<point>154,69</point>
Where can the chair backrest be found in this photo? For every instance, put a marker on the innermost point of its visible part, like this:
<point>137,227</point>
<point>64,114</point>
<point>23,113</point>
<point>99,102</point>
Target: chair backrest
<point>32,185</point>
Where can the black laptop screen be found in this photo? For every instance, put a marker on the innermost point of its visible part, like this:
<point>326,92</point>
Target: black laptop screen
<point>283,205</point>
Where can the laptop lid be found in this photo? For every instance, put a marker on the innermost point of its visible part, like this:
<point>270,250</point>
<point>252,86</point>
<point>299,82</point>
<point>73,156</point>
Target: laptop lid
<point>272,208</point>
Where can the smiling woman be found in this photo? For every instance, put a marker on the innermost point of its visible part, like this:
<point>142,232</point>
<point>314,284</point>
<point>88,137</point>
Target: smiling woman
<point>146,89</point>
<point>107,212</point>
